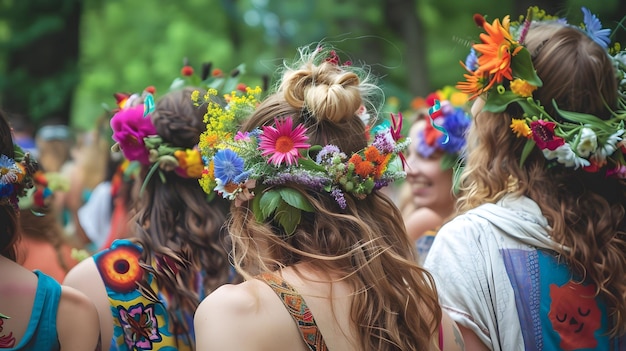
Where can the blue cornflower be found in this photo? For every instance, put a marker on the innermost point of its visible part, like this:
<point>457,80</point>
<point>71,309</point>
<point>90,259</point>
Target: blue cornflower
<point>228,165</point>
<point>456,124</point>
<point>9,171</point>
<point>594,30</point>
<point>471,61</point>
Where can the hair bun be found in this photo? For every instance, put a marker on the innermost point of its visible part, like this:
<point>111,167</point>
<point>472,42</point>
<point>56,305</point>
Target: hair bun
<point>329,94</point>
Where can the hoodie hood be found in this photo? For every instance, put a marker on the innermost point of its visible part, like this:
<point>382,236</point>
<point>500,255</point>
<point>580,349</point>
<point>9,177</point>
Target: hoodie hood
<point>519,218</point>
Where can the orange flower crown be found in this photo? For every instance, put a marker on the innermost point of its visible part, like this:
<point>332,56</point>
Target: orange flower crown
<point>501,67</point>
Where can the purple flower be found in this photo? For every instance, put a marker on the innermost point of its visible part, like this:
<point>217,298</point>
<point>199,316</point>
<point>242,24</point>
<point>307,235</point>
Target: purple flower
<point>299,177</point>
<point>326,154</point>
<point>140,326</point>
<point>129,128</point>
<point>384,142</point>
<point>339,197</point>
<point>422,147</point>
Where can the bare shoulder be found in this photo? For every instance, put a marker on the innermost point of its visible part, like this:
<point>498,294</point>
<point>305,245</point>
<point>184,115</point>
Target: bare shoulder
<point>82,274</point>
<point>451,334</point>
<point>77,333</point>
<point>85,278</point>
<point>249,309</point>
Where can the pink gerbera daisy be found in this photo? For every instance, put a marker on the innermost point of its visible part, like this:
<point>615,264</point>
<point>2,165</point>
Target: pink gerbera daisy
<point>283,142</point>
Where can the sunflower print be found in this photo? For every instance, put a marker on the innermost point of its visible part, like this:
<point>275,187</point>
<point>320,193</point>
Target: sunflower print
<point>119,267</point>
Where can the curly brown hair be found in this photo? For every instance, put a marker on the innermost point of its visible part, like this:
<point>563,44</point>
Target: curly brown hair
<point>585,210</point>
<point>395,304</point>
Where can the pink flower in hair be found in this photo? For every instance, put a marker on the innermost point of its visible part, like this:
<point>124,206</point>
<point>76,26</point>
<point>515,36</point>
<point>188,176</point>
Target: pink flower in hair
<point>129,128</point>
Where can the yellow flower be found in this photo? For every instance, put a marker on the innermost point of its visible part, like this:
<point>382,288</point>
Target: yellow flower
<point>195,95</point>
<point>521,128</point>
<point>458,98</point>
<point>522,88</point>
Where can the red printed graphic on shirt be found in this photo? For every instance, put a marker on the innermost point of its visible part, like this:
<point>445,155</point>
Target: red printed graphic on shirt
<point>575,315</point>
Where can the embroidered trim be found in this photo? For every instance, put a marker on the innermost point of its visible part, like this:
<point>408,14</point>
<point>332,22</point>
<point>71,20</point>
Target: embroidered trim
<point>298,309</point>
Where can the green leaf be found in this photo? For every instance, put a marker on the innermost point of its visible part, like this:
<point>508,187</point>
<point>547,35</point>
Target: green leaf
<point>295,199</point>
<point>269,202</point>
<point>522,65</point>
<point>256,208</point>
<point>528,147</point>
<point>497,103</point>
<point>311,165</point>
<point>448,161</point>
<point>153,169</point>
<point>583,118</point>
<point>288,217</point>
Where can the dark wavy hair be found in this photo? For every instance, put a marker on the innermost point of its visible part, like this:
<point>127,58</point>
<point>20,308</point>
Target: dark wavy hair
<point>8,215</point>
<point>586,211</point>
<point>176,226</point>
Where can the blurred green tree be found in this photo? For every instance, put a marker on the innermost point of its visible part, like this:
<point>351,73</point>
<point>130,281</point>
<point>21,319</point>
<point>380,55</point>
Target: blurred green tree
<point>41,51</point>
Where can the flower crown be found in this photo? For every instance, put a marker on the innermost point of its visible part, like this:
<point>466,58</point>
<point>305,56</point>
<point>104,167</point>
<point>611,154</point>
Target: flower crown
<point>501,66</point>
<point>256,165</point>
<point>16,176</point>
<point>447,128</point>
<point>137,138</point>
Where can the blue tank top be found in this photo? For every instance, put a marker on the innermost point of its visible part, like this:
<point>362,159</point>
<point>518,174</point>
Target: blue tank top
<point>42,327</point>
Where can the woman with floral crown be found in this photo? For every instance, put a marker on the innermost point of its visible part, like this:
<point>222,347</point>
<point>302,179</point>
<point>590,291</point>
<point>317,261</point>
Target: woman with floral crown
<point>536,259</point>
<point>148,287</point>
<point>433,161</point>
<point>327,262</point>
<point>36,313</point>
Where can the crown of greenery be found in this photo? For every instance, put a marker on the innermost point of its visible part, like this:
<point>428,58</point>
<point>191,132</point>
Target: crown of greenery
<point>16,176</point>
<point>256,165</point>
<point>501,66</point>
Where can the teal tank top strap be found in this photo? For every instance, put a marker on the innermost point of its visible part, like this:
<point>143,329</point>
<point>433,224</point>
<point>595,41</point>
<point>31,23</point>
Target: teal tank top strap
<point>42,326</point>
<point>298,309</point>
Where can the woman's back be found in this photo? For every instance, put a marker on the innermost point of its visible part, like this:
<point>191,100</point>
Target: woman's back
<point>270,306</point>
<point>42,315</point>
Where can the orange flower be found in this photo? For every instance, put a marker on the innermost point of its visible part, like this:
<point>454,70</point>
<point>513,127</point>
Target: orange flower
<point>362,167</point>
<point>496,50</point>
<point>474,83</point>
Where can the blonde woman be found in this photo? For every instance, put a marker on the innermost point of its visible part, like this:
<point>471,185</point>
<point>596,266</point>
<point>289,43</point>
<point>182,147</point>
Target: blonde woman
<point>536,260</point>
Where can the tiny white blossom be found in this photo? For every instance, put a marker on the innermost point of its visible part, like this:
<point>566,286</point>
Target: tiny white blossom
<point>566,156</point>
<point>588,142</point>
<point>609,147</point>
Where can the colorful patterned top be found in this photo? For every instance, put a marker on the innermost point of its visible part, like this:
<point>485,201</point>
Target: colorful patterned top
<point>42,326</point>
<point>138,323</point>
<point>298,309</point>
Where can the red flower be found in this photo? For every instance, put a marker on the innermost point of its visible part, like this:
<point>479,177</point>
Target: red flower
<point>186,71</point>
<point>217,73</point>
<point>151,89</point>
<point>543,135</point>
<point>241,87</point>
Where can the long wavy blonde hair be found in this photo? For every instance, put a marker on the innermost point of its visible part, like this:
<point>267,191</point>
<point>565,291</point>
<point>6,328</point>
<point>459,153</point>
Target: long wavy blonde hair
<point>585,210</point>
<point>395,304</point>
